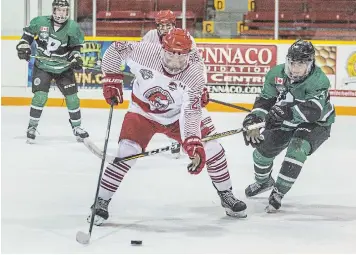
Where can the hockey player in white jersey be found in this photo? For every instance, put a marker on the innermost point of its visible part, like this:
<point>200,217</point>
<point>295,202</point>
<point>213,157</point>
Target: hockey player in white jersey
<point>165,21</point>
<point>165,99</point>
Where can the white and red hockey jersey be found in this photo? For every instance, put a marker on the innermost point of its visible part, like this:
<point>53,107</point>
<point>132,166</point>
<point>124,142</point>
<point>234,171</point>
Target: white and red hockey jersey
<point>153,37</point>
<point>155,94</point>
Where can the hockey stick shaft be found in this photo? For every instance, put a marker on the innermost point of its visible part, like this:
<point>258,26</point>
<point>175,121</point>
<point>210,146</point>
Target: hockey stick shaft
<point>230,105</point>
<point>101,167</point>
<point>109,158</point>
<point>68,63</point>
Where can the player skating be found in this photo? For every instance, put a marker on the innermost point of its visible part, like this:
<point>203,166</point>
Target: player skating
<point>166,97</point>
<point>58,40</point>
<point>295,104</point>
<point>165,21</point>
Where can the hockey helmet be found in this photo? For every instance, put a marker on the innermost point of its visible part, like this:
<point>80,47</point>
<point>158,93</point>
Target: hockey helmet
<point>60,10</point>
<point>176,46</point>
<point>300,60</point>
<point>165,21</point>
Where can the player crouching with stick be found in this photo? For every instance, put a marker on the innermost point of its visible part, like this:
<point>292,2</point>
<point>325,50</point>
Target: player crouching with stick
<point>166,98</point>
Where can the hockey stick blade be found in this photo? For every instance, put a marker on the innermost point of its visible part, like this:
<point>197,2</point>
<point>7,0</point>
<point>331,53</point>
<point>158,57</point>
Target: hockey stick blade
<point>82,237</point>
<point>110,158</point>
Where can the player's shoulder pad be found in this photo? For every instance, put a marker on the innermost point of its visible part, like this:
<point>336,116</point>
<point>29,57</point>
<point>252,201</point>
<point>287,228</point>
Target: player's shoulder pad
<point>275,72</point>
<point>148,34</point>
<point>195,58</point>
<point>73,27</point>
<point>41,20</point>
<point>317,80</point>
<point>123,45</point>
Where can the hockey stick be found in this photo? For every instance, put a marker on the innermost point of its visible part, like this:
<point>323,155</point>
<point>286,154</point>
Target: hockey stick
<point>84,67</point>
<point>230,105</point>
<point>82,237</point>
<point>110,158</point>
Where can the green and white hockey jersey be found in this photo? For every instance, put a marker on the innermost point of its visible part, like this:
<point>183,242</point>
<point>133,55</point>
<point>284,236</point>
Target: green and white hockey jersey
<point>309,99</point>
<point>57,45</point>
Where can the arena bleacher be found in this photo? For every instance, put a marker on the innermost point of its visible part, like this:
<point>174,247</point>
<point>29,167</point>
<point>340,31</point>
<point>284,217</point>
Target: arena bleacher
<point>136,17</point>
<point>309,19</point>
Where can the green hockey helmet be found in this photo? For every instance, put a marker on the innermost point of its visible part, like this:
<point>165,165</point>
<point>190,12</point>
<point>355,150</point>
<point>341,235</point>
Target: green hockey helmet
<point>60,10</point>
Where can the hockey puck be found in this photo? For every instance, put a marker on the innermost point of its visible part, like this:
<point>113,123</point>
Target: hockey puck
<point>136,242</point>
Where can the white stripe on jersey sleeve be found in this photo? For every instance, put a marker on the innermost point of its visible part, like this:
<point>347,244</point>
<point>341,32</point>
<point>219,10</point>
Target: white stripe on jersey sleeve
<point>191,112</point>
<point>115,55</point>
<point>151,36</point>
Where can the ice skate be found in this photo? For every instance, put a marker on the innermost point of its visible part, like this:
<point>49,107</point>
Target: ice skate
<point>233,206</point>
<point>257,188</point>
<point>101,211</point>
<point>274,201</point>
<point>79,132</point>
<point>175,151</point>
<point>31,134</point>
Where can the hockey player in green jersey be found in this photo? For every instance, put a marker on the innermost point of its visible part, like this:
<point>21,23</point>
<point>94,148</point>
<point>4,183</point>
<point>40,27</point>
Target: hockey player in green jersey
<point>295,105</point>
<point>58,41</point>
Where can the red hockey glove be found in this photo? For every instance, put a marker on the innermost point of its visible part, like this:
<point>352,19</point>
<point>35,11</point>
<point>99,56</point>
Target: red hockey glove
<point>205,97</point>
<point>195,150</point>
<point>112,88</point>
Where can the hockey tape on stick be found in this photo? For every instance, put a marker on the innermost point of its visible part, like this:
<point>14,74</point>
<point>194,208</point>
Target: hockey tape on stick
<point>230,105</point>
<point>110,158</point>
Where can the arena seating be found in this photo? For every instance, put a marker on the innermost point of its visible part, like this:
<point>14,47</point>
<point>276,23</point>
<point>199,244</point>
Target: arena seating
<point>309,19</point>
<point>136,17</point>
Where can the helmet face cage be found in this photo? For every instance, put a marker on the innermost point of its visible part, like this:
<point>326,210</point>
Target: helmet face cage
<point>176,47</point>
<point>60,11</point>
<point>174,63</point>
<point>164,28</point>
<point>300,60</point>
<point>165,21</point>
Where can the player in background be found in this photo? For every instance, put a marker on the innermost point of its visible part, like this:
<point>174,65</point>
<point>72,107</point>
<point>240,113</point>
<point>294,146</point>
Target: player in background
<point>165,21</point>
<point>58,41</point>
<point>295,104</point>
<point>166,98</point>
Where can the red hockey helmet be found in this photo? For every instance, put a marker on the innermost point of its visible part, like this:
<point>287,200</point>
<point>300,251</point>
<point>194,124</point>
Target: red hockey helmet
<point>176,45</point>
<point>165,21</point>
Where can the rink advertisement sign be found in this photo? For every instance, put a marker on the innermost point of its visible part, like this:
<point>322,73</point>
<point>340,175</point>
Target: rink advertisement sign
<point>234,68</point>
<point>237,68</point>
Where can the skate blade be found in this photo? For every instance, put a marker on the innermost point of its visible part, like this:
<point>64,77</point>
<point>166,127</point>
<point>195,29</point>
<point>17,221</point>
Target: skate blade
<point>79,139</point>
<point>176,155</point>
<point>98,221</point>
<point>240,214</point>
<point>262,191</point>
<point>30,141</point>
<point>270,209</point>
<point>82,237</point>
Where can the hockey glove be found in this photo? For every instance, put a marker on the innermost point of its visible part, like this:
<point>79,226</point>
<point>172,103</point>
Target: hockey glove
<point>252,136</point>
<point>23,51</point>
<point>277,115</point>
<point>195,150</point>
<point>205,98</point>
<point>76,62</point>
<point>112,88</point>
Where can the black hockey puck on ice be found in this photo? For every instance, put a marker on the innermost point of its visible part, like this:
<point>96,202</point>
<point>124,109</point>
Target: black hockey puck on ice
<point>136,242</point>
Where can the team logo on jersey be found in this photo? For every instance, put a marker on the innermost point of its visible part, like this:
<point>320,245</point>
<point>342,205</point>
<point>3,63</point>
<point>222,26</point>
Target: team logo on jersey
<point>158,98</point>
<point>172,86</point>
<point>146,74</point>
<point>37,81</point>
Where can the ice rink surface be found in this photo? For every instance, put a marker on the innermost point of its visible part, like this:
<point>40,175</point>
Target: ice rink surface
<point>47,189</point>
